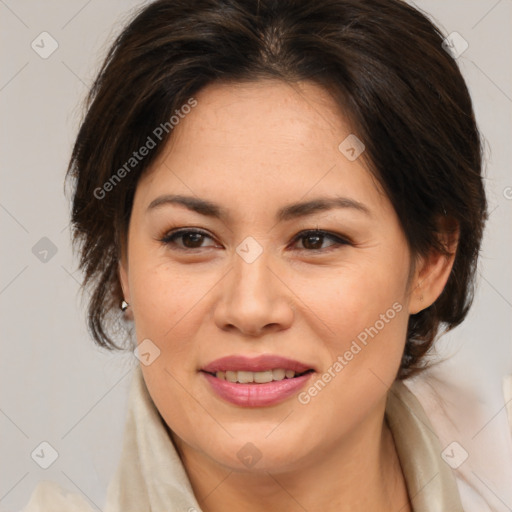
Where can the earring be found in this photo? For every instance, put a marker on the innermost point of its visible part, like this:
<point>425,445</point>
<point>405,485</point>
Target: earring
<point>124,306</point>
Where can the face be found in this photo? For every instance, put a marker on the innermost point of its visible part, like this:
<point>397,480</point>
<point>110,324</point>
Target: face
<point>295,263</point>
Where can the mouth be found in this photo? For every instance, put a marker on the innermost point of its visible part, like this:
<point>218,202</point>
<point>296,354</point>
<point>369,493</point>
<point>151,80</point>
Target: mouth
<point>256,382</point>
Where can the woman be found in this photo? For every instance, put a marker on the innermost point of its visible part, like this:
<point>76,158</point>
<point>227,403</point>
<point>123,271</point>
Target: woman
<point>285,197</point>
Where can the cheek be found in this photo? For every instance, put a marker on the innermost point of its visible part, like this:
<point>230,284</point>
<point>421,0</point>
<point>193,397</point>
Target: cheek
<point>347,302</point>
<point>168,310</point>
<point>363,321</point>
<point>164,296</point>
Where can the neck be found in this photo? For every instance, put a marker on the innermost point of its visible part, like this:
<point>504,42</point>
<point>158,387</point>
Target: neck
<point>361,472</point>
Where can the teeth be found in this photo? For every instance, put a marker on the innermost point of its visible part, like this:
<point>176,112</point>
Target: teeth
<point>278,374</point>
<point>263,377</point>
<point>244,377</point>
<point>230,376</point>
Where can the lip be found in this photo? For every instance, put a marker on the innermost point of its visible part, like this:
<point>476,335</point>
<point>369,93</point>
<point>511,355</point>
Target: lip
<point>255,364</point>
<point>256,395</point>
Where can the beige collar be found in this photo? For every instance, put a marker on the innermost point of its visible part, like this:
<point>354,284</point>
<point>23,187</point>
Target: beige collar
<point>430,482</point>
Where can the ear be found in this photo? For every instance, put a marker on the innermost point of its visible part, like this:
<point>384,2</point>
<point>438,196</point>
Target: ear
<point>433,270</point>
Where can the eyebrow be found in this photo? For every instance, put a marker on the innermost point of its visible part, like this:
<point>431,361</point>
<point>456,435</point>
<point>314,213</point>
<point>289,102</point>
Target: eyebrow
<point>291,211</point>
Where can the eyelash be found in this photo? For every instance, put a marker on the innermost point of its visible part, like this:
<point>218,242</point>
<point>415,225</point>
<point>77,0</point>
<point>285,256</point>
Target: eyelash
<point>170,238</point>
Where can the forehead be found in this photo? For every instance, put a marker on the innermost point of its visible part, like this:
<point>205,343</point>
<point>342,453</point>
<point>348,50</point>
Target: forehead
<point>300,115</point>
<point>266,139</point>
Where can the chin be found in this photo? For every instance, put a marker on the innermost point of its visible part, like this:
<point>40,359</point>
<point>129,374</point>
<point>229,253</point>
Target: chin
<point>252,449</point>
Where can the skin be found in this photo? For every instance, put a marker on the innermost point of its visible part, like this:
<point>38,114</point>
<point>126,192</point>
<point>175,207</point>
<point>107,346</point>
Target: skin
<point>253,148</point>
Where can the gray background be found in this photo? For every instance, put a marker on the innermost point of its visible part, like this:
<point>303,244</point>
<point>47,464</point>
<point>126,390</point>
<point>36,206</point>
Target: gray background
<point>55,385</point>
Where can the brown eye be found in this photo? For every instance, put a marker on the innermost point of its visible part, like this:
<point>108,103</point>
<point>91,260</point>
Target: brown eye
<point>313,240</point>
<point>190,239</point>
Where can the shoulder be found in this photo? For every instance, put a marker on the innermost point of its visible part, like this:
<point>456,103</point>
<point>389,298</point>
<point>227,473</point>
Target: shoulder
<point>51,497</point>
<point>430,481</point>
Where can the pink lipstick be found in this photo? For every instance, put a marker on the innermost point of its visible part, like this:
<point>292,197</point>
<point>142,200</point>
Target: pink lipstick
<point>256,381</point>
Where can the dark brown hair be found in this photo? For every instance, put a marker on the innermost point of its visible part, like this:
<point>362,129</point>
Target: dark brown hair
<point>382,60</point>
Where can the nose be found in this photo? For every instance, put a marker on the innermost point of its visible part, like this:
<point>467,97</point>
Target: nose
<point>254,299</point>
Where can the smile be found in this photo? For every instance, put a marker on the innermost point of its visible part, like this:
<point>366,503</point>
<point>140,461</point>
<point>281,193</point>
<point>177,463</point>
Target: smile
<point>256,382</point>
